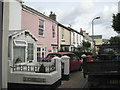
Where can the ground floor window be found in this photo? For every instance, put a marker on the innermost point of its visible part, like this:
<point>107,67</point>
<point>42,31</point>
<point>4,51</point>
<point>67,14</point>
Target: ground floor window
<point>54,49</point>
<point>19,54</point>
<point>41,52</point>
<point>30,51</point>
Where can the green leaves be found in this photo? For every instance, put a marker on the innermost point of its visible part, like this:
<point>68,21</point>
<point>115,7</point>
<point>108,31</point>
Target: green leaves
<point>116,22</point>
<point>115,40</point>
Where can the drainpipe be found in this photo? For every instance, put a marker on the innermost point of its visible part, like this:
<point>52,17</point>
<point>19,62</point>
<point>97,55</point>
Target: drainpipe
<point>1,31</point>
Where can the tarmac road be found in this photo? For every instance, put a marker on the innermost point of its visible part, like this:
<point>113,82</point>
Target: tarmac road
<point>76,81</point>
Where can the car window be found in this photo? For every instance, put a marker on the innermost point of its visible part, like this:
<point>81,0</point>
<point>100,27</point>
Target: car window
<point>53,55</point>
<point>72,56</point>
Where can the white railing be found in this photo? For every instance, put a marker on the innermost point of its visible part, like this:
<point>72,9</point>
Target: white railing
<point>39,67</point>
<point>31,68</point>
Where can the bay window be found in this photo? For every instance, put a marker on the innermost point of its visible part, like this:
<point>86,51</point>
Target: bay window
<point>19,51</point>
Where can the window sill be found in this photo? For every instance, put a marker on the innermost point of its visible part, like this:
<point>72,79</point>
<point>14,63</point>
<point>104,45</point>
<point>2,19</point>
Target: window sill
<point>41,36</point>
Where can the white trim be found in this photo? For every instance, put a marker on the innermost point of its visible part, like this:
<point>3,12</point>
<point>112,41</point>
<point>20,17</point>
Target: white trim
<point>54,31</point>
<point>33,51</point>
<point>42,28</point>
<point>22,33</point>
<point>20,44</point>
<point>42,50</point>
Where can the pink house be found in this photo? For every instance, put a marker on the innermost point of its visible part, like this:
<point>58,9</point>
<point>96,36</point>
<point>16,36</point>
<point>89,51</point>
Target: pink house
<point>43,27</point>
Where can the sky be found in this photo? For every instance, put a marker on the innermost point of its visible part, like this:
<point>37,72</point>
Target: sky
<point>80,13</point>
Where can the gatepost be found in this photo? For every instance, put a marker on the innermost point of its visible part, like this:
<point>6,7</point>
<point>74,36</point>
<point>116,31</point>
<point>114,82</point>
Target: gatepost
<point>65,60</point>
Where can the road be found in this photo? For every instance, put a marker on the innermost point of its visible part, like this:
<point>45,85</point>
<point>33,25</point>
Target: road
<point>76,81</point>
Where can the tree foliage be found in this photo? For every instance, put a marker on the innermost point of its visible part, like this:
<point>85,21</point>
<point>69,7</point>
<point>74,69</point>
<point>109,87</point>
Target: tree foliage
<point>86,44</point>
<point>115,40</point>
<point>116,22</point>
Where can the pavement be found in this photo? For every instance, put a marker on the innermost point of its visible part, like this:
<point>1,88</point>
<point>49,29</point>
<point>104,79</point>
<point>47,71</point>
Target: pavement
<point>76,81</point>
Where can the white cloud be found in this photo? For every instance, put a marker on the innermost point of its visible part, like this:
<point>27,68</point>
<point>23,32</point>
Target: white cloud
<point>70,0</point>
<point>80,15</point>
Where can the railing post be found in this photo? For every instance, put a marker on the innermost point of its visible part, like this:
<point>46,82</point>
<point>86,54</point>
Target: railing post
<point>65,60</point>
<point>57,64</point>
<point>84,66</point>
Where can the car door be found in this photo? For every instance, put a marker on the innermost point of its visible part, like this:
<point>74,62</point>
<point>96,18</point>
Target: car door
<point>76,62</point>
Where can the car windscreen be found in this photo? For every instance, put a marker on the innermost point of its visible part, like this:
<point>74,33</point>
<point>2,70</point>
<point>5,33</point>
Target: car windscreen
<point>72,56</point>
<point>53,55</point>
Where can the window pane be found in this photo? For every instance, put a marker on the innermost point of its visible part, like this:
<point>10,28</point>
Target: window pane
<point>53,31</point>
<point>19,54</point>
<point>40,31</point>
<point>41,27</point>
<point>40,53</point>
<point>20,43</point>
<point>30,51</point>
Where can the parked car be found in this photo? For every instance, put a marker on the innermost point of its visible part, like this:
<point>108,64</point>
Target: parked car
<point>75,61</point>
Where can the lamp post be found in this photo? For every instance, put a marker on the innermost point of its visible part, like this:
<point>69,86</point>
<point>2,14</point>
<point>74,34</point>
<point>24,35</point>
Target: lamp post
<point>94,52</point>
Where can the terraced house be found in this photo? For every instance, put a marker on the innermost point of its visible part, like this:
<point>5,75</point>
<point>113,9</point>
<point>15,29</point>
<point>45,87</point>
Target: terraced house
<point>76,39</point>
<point>43,27</point>
<point>63,38</point>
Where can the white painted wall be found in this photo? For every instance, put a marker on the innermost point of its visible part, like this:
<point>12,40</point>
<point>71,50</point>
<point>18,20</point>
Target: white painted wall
<point>15,15</point>
<point>119,7</point>
<point>5,44</point>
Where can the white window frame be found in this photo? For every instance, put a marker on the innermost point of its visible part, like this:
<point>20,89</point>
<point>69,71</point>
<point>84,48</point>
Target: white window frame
<point>33,51</point>
<point>54,47</point>
<point>20,44</point>
<point>42,28</point>
<point>41,51</point>
<point>73,38</point>
<point>62,34</point>
<point>53,31</point>
<point>77,38</point>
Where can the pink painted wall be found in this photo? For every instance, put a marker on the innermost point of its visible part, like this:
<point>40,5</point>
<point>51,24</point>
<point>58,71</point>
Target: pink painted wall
<point>30,21</point>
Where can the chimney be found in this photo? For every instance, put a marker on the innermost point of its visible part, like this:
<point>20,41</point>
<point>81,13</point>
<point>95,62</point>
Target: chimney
<point>87,33</point>
<point>52,16</point>
<point>80,29</point>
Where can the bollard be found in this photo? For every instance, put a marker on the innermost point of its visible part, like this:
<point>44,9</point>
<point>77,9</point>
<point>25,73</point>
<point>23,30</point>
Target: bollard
<point>65,60</point>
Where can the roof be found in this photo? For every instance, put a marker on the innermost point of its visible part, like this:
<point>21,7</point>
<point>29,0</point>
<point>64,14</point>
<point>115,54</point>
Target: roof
<point>73,30</point>
<point>15,33</point>
<point>64,26</point>
<point>96,36</point>
<point>24,7</point>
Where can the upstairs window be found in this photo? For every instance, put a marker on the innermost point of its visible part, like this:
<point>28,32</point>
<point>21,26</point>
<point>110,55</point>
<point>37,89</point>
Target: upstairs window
<point>41,27</point>
<point>73,38</point>
<point>53,31</point>
<point>62,34</point>
<point>77,38</point>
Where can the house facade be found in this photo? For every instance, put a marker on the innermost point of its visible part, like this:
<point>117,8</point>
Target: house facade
<point>44,28</point>
<point>76,39</point>
<point>22,47</point>
<point>86,37</point>
<point>98,41</point>
<point>64,38</point>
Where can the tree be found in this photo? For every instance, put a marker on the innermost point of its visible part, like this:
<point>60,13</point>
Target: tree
<point>86,45</point>
<point>116,22</point>
<point>115,40</point>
